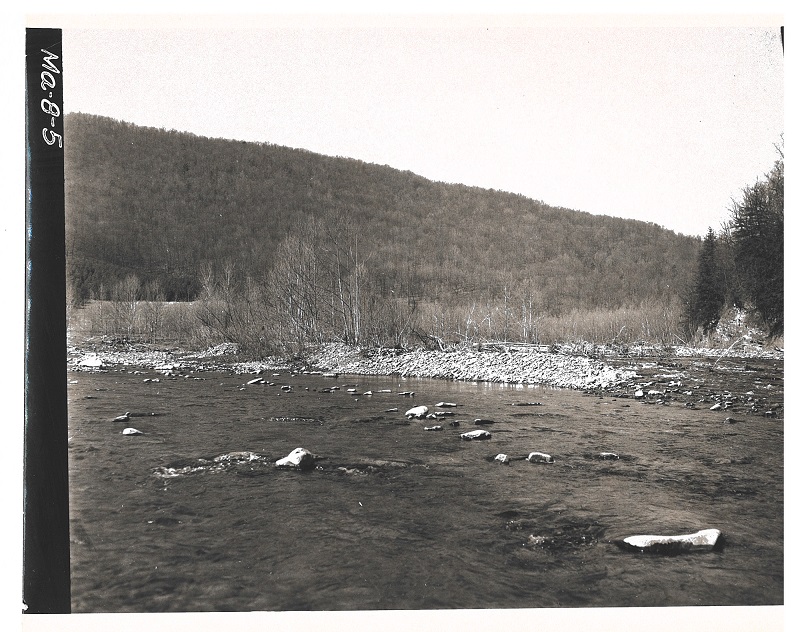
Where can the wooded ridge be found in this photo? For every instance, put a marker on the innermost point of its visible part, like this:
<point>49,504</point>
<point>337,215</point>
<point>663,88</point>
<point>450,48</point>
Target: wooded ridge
<point>165,205</point>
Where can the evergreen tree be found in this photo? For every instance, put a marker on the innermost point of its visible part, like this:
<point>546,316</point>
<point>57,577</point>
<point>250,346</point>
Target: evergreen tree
<point>757,240</point>
<point>707,297</point>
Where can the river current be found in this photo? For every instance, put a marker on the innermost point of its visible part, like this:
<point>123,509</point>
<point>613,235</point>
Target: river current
<point>192,515</point>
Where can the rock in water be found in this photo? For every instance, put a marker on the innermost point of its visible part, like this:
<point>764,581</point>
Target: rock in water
<point>476,435</point>
<point>445,405</point>
<point>539,457</point>
<point>258,380</point>
<point>417,411</point>
<point>503,458</point>
<point>434,428</point>
<point>124,417</point>
<point>91,362</point>
<point>132,431</point>
<point>299,458</point>
<point>608,456</point>
<point>704,540</point>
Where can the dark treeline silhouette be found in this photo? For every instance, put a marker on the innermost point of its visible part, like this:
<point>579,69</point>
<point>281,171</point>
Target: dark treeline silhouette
<point>188,218</point>
<point>743,265</point>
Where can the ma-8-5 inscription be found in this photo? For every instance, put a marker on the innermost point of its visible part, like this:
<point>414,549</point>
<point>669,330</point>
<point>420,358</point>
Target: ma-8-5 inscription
<point>48,107</point>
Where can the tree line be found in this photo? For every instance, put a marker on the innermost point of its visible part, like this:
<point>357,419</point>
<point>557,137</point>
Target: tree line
<point>275,247</point>
<point>742,265</point>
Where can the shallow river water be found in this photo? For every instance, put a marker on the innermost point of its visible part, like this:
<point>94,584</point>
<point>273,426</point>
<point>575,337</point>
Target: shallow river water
<point>396,517</point>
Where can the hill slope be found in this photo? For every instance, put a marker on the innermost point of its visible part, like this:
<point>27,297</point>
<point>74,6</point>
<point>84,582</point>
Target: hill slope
<point>167,205</point>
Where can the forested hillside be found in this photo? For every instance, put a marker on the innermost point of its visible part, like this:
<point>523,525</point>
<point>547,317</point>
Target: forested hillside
<point>180,212</point>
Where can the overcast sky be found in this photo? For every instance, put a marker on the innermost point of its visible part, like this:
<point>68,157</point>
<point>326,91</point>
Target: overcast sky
<point>651,120</point>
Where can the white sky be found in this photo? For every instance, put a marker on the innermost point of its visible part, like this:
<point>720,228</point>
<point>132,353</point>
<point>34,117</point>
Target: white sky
<point>650,120</point>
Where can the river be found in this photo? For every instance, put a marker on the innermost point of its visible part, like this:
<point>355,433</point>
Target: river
<point>396,517</point>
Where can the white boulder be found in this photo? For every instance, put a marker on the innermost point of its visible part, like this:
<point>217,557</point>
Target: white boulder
<point>299,458</point>
<point>539,457</point>
<point>703,540</point>
<point>418,411</point>
<point>91,362</point>
<point>476,435</point>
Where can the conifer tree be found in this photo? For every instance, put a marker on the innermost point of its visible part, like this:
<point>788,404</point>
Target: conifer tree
<point>707,297</point>
<point>757,239</point>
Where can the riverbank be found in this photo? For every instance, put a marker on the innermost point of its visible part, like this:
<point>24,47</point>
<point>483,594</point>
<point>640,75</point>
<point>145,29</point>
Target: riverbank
<point>511,365</point>
<point>575,367</point>
<point>507,364</point>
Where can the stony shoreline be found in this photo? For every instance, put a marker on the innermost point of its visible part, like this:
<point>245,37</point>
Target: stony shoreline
<point>512,364</point>
<point>508,365</point>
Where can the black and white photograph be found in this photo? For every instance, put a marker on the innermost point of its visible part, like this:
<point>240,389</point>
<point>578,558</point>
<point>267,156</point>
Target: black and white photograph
<point>410,315</point>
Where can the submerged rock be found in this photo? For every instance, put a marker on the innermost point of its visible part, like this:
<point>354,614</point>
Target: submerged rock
<point>299,458</point>
<point>502,458</point>
<point>445,405</point>
<point>704,540</point>
<point>434,428</point>
<point>236,457</point>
